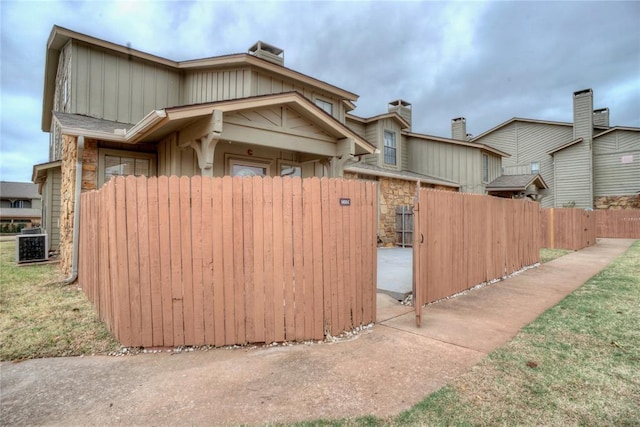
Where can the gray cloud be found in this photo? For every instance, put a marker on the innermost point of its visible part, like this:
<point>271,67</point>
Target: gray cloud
<point>485,61</point>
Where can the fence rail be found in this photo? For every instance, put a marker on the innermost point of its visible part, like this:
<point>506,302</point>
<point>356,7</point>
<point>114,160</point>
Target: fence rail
<point>222,261</point>
<point>462,240</point>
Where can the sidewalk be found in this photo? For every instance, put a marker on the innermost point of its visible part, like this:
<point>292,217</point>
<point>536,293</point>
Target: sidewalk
<point>382,371</point>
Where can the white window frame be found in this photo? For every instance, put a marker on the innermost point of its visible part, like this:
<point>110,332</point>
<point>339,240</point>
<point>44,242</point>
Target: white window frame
<point>248,161</point>
<point>536,169</point>
<point>485,168</point>
<point>325,105</point>
<point>394,147</point>
<point>103,152</point>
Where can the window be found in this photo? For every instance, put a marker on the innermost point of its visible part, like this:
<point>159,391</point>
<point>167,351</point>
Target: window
<point>241,167</point>
<point>389,147</point>
<point>326,106</point>
<point>535,167</point>
<point>485,168</point>
<point>121,163</point>
<point>17,204</point>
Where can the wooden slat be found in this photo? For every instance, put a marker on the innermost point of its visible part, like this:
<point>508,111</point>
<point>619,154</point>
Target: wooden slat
<point>287,259</point>
<point>155,280</point>
<point>132,239</point>
<point>197,250</point>
<point>146,322</point>
<point>207,261</point>
<point>123,295</point>
<point>278,261</point>
<point>336,216</point>
<point>164,238</point>
<point>318,297</point>
<point>326,248</point>
<point>238,264</point>
<point>249,286</point>
<point>307,241</point>
<point>175,233</point>
<point>331,236</point>
<point>227,256</point>
<point>267,229</point>
<point>298,258</point>
<point>258,259</point>
<point>218,263</point>
<point>186,234</point>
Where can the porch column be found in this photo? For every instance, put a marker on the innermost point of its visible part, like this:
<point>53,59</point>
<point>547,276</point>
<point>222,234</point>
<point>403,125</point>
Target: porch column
<point>203,136</point>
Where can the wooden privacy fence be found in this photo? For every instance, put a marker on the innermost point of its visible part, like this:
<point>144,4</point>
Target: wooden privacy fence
<point>221,261</point>
<point>462,240</point>
<point>568,228</point>
<point>623,223</point>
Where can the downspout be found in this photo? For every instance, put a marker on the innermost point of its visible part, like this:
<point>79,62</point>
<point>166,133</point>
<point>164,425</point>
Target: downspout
<point>76,213</point>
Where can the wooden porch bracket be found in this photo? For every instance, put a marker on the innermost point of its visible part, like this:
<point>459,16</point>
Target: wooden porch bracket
<point>203,136</point>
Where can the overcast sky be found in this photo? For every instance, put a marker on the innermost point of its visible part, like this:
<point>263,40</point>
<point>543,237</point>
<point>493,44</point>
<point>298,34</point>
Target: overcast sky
<point>486,61</point>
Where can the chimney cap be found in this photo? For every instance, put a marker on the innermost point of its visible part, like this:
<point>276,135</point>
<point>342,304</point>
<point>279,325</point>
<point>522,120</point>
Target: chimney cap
<point>458,119</point>
<point>260,45</point>
<point>601,110</point>
<point>582,92</point>
<point>400,103</point>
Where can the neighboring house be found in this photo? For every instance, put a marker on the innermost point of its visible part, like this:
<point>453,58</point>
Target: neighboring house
<point>586,163</point>
<point>20,204</point>
<point>407,157</point>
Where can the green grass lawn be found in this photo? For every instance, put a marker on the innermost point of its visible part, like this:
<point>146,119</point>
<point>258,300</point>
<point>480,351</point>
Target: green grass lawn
<point>577,364</point>
<point>547,254</point>
<point>41,317</point>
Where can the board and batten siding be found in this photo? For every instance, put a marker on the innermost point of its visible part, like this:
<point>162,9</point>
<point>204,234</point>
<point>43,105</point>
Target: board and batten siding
<point>269,84</point>
<point>51,207</point>
<point>573,177</point>
<point>530,142</point>
<point>115,87</point>
<point>210,86</point>
<point>616,164</point>
<point>451,162</point>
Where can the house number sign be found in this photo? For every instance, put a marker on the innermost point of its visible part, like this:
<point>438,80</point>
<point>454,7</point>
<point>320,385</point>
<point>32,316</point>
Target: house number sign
<point>345,202</point>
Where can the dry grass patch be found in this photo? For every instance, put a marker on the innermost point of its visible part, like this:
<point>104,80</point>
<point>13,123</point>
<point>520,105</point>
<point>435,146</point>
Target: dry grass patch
<point>41,317</point>
<point>547,254</point>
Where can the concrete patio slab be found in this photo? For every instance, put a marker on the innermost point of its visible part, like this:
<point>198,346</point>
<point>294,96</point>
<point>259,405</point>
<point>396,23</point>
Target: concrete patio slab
<point>395,272</point>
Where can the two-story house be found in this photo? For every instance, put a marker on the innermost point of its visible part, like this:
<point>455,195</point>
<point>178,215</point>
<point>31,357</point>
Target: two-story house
<point>112,110</point>
<point>585,163</point>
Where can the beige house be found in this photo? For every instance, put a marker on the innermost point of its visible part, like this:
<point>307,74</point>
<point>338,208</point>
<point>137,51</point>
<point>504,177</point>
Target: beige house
<point>585,163</point>
<point>112,110</point>
<point>20,204</point>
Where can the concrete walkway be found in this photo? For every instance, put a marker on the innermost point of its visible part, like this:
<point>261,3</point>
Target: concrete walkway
<point>381,371</point>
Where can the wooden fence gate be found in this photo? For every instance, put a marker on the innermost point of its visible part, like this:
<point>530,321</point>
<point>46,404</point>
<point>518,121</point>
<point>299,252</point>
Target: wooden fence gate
<point>223,261</point>
<point>462,240</point>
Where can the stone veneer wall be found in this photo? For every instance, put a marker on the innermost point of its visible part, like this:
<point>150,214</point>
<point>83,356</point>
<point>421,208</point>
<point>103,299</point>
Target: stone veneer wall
<point>393,193</point>
<point>617,202</point>
<point>67,191</point>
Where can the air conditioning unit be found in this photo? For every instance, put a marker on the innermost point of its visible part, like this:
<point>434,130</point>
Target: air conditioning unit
<point>31,247</point>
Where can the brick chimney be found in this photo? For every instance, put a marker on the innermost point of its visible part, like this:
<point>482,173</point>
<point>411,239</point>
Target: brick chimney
<point>403,108</point>
<point>267,52</point>
<point>601,117</point>
<point>459,129</point>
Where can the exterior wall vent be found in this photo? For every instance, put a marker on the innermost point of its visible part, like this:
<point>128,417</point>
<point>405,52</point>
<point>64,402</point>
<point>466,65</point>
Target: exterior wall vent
<point>267,52</point>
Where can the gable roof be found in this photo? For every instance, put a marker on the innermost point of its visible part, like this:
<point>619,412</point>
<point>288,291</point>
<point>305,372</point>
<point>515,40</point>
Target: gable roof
<point>390,115</point>
<point>613,129</point>
<point>516,182</point>
<point>159,123</point>
<point>457,142</point>
<point>60,36</point>
<point>518,119</point>
<point>563,146</point>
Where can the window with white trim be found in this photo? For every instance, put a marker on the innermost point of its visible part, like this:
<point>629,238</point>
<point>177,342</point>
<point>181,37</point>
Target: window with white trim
<point>325,105</point>
<point>485,168</point>
<point>122,163</point>
<point>535,167</point>
<point>389,147</point>
<point>242,167</point>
